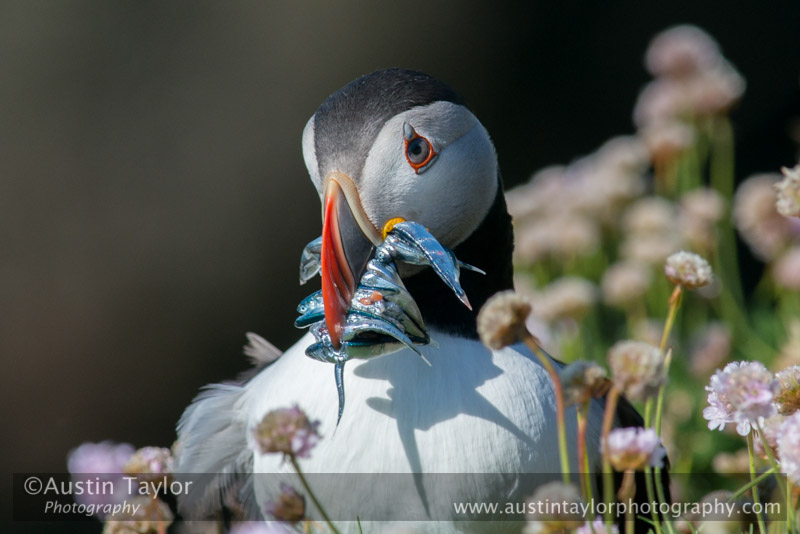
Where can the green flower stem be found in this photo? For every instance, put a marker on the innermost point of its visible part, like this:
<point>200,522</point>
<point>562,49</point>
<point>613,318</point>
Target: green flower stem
<point>675,300</point>
<point>532,344</point>
<point>741,491</point>
<point>583,458</point>
<point>756,500</point>
<point>654,475</point>
<point>722,159</point>
<point>666,177</point>
<point>722,178</point>
<point>674,304</point>
<point>591,336</point>
<point>731,312</point>
<point>648,413</point>
<point>726,264</point>
<point>659,482</point>
<point>651,496</point>
<point>311,495</point>
<point>683,174</point>
<point>662,497</point>
<point>570,346</point>
<point>608,479</point>
<point>781,482</point>
<point>660,401</point>
<point>694,158</point>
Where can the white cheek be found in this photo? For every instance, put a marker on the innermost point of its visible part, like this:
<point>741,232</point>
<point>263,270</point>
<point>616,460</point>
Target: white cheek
<point>457,191</point>
<point>387,183</point>
<point>450,198</point>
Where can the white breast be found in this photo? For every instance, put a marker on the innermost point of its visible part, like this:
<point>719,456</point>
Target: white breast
<point>473,411</point>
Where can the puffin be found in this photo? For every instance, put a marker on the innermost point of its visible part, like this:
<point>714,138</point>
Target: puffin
<point>462,424</point>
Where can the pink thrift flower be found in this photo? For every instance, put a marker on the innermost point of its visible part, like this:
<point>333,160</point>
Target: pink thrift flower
<point>634,449</point>
<point>740,394</point>
<point>100,462</point>
<point>789,448</point>
<point>286,430</point>
<point>681,51</point>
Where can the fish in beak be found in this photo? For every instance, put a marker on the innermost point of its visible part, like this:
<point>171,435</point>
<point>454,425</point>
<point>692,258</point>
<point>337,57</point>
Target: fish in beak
<point>355,259</point>
<point>348,241</point>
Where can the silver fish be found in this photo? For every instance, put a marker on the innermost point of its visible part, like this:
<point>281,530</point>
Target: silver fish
<point>310,260</point>
<point>311,310</point>
<point>383,317</point>
<point>365,303</point>
<point>413,243</point>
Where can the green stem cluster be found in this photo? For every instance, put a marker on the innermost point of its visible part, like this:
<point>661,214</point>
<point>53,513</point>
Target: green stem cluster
<point>674,304</point>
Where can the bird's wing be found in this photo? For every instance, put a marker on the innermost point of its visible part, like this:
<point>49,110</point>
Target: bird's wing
<point>212,449</point>
<point>212,452</point>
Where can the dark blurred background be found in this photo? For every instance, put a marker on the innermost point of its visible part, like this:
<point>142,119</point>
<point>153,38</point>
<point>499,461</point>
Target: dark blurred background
<point>153,198</point>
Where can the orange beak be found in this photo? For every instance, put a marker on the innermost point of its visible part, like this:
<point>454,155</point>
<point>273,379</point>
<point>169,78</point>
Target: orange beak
<point>348,239</point>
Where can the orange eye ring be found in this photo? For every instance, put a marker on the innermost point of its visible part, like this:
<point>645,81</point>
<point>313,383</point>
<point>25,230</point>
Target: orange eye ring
<point>419,152</point>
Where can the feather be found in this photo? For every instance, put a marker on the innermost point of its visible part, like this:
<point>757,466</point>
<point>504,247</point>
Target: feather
<point>212,452</point>
<point>260,351</point>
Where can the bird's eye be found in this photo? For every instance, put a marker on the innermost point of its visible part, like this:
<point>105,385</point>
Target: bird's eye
<point>419,152</point>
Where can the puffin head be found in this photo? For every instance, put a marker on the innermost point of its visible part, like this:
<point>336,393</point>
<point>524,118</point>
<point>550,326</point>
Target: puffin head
<point>395,144</point>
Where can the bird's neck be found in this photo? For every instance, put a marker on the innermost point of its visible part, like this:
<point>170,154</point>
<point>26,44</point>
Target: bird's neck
<point>489,248</point>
